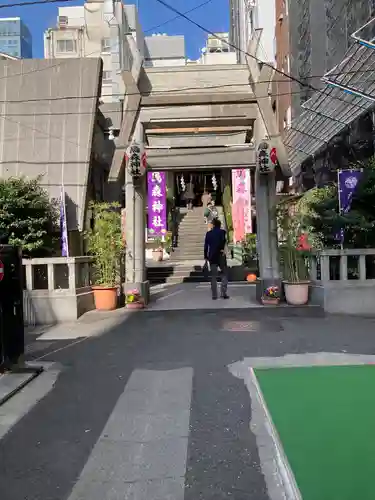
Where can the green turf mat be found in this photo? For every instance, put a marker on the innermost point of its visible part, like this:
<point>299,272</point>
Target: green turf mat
<point>325,417</point>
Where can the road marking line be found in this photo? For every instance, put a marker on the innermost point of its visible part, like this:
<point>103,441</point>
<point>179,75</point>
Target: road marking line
<point>62,348</point>
<point>169,295</point>
<point>142,451</point>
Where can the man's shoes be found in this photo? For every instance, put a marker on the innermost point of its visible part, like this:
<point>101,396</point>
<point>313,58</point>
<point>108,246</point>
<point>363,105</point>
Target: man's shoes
<point>225,296</point>
<point>214,298</point>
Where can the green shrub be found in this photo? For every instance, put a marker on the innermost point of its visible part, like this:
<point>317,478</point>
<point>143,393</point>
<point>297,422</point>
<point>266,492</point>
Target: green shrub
<point>105,243</point>
<point>28,218</point>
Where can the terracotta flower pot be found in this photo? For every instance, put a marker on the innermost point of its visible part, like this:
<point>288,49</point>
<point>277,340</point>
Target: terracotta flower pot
<point>267,301</point>
<point>105,298</point>
<point>135,305</point>
<point>297,294</point>
<point>157,255</point>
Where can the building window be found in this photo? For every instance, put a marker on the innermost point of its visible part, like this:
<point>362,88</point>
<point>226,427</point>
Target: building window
<point>106,45</point>
<point>66,46</point>
<point>107,76</point>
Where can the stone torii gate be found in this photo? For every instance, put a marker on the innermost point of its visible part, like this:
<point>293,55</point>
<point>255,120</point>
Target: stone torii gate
<point>198,117</point>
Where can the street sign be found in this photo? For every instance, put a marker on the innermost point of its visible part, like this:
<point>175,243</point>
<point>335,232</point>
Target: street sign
<point>1,270</point>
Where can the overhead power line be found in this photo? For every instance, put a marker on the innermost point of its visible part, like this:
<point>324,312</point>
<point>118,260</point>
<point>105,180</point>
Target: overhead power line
<point>76,113</point>
<point>149,30</point>
<point>276,70</point>
<point>33,2</point>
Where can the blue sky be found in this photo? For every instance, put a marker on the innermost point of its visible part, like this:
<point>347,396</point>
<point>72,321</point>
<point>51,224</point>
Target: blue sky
<point>213,16</point>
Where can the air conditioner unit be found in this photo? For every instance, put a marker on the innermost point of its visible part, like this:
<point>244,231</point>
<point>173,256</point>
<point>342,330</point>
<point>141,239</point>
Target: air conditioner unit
<point>62,22</point>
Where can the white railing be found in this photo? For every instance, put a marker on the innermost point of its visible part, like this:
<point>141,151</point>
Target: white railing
<point>57,273</point>
<point>343,265</point>
<point>51,278</point>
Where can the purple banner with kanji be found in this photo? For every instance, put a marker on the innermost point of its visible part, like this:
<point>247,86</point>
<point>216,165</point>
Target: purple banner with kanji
<point>63,225</point>
<point>348,181</point>
<point>157,203</point>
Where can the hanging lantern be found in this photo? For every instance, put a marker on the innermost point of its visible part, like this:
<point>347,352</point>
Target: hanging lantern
<point>214,182</point>
<point>266,158</point>
<point>136,160</point>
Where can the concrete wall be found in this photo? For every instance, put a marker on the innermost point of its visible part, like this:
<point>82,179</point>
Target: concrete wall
<point>48,110</point>
<point>157,63</point>
<point>164,50</point>
<point>201,158</point>
<point>135,27</point>
<point>195,140</point>
<point>219,58</point>
<point>319,35</point>
<point>194,78</point>
<point>265,19</point>
<point>282,86</point>
<point>245,17</point>
<point>345,297</point>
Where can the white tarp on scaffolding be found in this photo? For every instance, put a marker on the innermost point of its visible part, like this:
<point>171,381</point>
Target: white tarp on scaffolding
<point>348,93</point>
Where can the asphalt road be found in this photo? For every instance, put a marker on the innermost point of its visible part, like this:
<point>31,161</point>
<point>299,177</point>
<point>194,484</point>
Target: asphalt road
<point>150,410</point>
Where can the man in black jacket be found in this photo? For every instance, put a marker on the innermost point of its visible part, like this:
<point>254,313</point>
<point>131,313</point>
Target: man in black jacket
<point>214,253</point>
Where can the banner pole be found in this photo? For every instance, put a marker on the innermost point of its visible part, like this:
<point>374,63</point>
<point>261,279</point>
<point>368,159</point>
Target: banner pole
<point>342,233</point>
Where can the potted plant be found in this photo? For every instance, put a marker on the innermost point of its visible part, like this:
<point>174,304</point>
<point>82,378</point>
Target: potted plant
<point>271,295</point>
<point>134,300</point>
<point>157,252</point>
<point>295,274</point>
<point>105,245</point>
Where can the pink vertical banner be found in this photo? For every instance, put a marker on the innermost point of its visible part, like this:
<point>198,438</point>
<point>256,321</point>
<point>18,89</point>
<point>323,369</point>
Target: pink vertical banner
<point>241,208</point>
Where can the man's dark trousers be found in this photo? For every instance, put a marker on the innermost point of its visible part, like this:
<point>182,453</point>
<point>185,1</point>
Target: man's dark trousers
<point>222,265</point>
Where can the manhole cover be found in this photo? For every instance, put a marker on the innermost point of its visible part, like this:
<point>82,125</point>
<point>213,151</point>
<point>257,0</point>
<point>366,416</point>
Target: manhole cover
<point>241,326</point>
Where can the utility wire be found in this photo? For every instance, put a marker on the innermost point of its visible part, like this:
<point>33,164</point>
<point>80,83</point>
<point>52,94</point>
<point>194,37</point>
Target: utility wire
<point>152,108</point>
<point>291,77</point>
<point>183,15</point>
<point>177,17</point>
<point>34,2</point>
<point>157,92</point>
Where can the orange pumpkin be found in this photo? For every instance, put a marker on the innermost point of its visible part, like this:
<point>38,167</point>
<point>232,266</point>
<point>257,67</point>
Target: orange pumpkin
<point>251,277</point>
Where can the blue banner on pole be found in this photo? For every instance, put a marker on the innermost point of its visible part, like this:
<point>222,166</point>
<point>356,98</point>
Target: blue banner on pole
<point>63,225</point>
<point>348,181</point>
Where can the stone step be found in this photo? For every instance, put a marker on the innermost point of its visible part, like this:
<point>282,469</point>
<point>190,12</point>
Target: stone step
<point>193,229</point>
<point>183,258</point>
<point>189,245</point>
<point>192,232</point>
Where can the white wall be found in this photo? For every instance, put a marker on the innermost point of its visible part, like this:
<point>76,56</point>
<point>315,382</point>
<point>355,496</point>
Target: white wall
<point>248,15</point>
<point>89,25</point>
<point>265,19</point>
<point>165,62</point>
<point>219,58</point>
<point>75,15</point>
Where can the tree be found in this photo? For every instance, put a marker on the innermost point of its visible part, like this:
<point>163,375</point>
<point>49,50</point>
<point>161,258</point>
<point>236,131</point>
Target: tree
<point>28,217</point>
<point>320,216</point>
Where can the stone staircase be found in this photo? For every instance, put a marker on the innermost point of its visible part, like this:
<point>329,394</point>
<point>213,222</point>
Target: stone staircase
<point>191,233</point>
<point>186,261</point>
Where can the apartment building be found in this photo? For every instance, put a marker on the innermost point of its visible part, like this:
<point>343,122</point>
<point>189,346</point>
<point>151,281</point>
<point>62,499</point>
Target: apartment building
<point>15,38</point>
<point>161,49</point>
<point>317,35</point>
<point>218,50</point>
<point>247,16</point>
<point>95,29</point>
